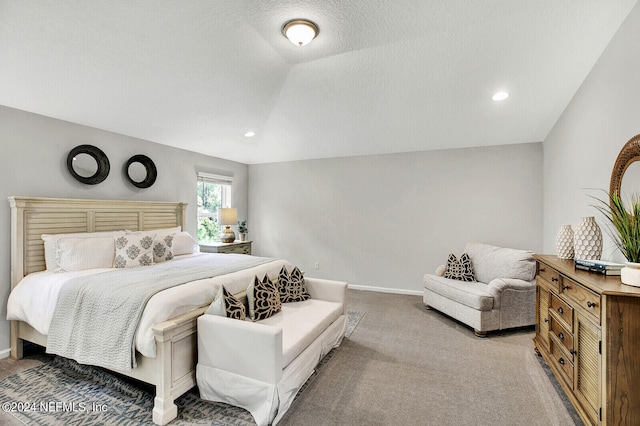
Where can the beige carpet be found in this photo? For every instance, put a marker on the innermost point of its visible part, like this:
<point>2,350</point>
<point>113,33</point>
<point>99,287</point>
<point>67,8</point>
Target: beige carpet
<point>404,365</point>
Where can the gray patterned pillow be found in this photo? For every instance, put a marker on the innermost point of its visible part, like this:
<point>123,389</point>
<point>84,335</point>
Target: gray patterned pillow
<point>459,269</point>
<point>134,250</point>
<point>163,248</point>
<point>291,286</point>
<point>263,299</point>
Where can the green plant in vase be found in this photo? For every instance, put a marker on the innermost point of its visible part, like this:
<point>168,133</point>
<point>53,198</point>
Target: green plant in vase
<point>242,230</point>
<point>625,221</point>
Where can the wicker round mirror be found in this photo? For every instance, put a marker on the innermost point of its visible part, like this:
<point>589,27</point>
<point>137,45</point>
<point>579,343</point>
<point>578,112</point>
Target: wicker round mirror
<point>629,154</point>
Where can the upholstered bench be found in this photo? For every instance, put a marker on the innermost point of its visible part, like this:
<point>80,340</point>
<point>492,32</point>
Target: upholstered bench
<point>502,296</point>
<point>260,366</point>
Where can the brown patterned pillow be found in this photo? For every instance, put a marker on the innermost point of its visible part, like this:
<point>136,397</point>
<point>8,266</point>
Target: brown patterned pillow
<point>459,269</point>
<point>263,298</point>
<point>227,305</point>
<point>291,286</point>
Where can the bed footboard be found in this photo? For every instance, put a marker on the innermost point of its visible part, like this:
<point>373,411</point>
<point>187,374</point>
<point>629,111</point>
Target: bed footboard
<point>176,353</point>
<point>172,371</point>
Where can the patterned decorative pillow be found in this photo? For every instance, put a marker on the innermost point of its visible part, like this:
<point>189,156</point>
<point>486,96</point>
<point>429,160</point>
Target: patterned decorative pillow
<point>459,269</point>
<point>291,286</point>
<point>264,299</point>
<point>227,305</point>
<point>163,248</point>
<point>135,249</point>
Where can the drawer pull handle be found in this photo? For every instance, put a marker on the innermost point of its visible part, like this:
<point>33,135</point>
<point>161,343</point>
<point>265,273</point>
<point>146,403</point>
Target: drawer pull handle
<point>542,270</point>
<point>565,287</point>
<point>561,335</point>
<point>590,304</point>
<point>560,310</point>
<point>561,361</point>
<point>554,280</point>
<point>573,352</point>
<point>546,320</point>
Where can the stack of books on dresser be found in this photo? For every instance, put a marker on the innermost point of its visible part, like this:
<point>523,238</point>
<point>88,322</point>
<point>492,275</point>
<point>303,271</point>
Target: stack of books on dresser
<point>599,266</point>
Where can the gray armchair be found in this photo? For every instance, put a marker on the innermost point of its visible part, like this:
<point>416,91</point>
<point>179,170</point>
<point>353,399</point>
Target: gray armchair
<point>503,295</point>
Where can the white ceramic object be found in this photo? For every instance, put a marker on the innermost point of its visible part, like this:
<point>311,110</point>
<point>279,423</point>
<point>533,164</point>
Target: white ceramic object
<point>587,240</point>
<point>564,242</point>
<point>630,274</point>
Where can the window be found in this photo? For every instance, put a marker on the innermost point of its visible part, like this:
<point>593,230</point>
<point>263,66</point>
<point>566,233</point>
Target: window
<point>214,192</point>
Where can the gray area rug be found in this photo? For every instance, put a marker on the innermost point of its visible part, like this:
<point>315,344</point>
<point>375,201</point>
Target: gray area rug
<point>63,392</point>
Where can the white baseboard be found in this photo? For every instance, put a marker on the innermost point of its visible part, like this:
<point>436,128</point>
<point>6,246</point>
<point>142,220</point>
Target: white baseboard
<point>5,353</point>
<point>385,290</point>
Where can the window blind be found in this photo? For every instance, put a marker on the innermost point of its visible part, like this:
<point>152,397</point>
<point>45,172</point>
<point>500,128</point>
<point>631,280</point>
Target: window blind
<point>217,179</point>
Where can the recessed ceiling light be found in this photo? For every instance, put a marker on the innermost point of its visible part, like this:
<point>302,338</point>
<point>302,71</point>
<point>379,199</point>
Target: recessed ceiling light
<point>249,134</point>
<point>500,96</point>
<point>300,31</point>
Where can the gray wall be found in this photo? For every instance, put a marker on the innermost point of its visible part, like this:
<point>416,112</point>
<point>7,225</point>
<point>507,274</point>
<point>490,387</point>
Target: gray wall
<point>581,150</point>
<point>33,152</point>
<point>384,221</point>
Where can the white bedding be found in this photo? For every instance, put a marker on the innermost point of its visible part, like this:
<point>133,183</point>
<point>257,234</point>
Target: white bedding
<point>33,300</point>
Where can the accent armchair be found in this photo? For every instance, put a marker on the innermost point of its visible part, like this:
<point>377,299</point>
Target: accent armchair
<point>503,295</point>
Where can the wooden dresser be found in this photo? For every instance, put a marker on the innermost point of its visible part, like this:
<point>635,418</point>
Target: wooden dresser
<point>588,332</point>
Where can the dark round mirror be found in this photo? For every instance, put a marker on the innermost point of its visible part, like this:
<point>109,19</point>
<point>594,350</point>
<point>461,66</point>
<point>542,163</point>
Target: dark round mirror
<point>141,171</point>
<point>88,164</point>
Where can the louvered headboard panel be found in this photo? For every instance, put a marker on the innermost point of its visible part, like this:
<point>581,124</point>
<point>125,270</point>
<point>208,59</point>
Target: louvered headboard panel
<point>32,216</point>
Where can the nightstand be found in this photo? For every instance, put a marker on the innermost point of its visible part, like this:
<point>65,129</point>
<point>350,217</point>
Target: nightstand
<point>240,247</point>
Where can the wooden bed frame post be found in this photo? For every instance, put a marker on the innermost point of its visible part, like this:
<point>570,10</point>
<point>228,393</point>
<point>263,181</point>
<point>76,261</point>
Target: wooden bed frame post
<point>164,409</point>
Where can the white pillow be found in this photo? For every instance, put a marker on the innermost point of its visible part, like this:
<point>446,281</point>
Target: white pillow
<point>51,244</point>
<point>134,249</point>
<point>78,254</point>
<point>184,243</point>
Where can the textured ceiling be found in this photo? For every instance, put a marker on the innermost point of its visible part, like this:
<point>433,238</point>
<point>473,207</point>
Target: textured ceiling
<point>382,76</point>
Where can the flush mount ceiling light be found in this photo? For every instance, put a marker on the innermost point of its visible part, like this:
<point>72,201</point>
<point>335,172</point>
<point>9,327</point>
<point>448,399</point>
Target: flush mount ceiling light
<point>300,31</point>
<point>249,134</point>
<point>500,96</point>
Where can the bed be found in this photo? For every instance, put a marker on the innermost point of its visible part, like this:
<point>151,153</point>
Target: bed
<point>172,370</point>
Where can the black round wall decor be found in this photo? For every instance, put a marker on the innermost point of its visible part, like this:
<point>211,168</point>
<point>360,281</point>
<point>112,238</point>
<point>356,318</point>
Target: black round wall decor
<point>88,164</point>
<point>150,175</point>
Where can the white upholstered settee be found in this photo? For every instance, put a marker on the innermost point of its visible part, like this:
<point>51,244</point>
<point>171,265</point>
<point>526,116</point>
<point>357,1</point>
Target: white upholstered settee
<point>503,295</point>
<point>260,366</point>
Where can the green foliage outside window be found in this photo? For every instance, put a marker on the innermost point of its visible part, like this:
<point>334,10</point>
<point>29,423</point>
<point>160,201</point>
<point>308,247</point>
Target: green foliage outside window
<point>209,201</point>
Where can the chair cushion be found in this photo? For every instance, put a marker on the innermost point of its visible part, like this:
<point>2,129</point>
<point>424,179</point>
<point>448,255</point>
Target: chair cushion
<point>490,262</point>
<point>471,294</point>
<point>302,323</point>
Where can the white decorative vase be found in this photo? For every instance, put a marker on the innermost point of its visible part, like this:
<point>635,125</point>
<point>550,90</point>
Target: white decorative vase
<point>564,242</point>
<point>587,239</point>
<point>630,274</point>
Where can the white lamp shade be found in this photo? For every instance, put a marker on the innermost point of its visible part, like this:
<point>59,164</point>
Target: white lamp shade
<point>227,216</point>
<point>300,32</point>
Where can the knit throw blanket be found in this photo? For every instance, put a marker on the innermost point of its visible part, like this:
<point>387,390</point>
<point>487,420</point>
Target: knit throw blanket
<point>97,316</point>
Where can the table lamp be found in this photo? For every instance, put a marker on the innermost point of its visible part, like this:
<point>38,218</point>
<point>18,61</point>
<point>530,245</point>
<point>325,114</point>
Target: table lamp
<point>226,217</point>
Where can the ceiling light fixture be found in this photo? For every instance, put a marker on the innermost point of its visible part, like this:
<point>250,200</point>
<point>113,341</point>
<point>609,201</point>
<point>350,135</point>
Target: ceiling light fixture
<point>500,96</point>
<point>300,31</point>
<point>249,134</point>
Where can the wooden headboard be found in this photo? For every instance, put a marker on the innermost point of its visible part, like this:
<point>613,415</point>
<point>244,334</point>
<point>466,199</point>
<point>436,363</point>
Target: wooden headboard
<point>32,216</point>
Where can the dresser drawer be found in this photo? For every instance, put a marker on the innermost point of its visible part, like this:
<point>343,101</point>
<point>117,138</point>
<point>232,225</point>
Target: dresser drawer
<point>551,276</point>
<point>562,310</point>
<point>563,361</point>
<point>562,335</point>
<point>582,296</point>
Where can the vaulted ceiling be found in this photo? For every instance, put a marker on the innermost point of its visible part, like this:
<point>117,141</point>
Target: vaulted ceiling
<point>381,77</point>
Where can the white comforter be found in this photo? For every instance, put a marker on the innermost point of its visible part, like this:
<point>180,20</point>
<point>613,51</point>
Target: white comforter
<point>34,299</point>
